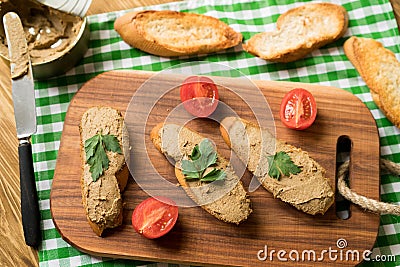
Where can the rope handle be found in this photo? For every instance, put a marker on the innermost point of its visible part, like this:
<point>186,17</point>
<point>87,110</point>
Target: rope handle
<point>364,202</point>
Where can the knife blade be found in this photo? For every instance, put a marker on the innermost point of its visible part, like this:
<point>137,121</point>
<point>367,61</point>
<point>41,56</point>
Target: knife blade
<point>23,96</point>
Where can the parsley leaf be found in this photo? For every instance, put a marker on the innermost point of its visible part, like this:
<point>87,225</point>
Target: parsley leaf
<point>214,175</point>
<point>111,143</point>
<point>191,175</point>
<point>195,153</point>
<point>202,157</point>
<point>281,164</point>
<point>95,149</point>
<point>90,146</point>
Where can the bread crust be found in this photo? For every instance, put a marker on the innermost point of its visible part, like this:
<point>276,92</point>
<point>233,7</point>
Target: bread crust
<point>380,69</point>
<point>291,42</point>
<point>135,30</point>
<point>156,139</point>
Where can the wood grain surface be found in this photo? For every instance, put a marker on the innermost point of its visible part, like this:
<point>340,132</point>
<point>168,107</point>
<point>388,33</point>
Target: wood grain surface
<point>13,251</point>
<point>199,238</point>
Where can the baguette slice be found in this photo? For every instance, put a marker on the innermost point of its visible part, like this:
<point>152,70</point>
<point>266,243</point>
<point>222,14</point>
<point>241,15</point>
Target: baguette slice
<point>102,199</point>
<point>171,33</point>
<point>308,191</point>
<point>380,69</point>
<point>300,31</point>
<point>227,200</point>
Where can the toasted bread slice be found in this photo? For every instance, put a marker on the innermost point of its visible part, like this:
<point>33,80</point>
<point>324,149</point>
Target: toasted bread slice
<point>227,200</point>
<point>300,31</point>
<point>171,33</point>
<point>380,69</point>
<point>102,198</point>
<point>308,191</point>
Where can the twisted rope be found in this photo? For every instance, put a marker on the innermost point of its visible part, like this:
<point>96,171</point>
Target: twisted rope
<point>390,167</point>
<point>364,202</point>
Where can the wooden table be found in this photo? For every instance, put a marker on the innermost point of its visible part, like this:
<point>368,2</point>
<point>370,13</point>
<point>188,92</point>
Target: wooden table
<point>13,251</point>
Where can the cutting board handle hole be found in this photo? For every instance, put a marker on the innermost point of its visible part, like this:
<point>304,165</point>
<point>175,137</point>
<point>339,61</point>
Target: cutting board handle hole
<point>343,152</point>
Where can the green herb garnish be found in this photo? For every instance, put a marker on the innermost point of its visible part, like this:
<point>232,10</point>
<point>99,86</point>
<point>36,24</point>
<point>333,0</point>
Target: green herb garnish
<point>203,156</point>
<point>281,164</point>
<point>95,149</point>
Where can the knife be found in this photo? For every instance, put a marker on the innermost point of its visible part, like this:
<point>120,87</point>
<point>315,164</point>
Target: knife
<point>23,95</point>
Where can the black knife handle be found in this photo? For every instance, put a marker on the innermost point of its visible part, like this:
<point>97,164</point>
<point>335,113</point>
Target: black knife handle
<point>29,199</point>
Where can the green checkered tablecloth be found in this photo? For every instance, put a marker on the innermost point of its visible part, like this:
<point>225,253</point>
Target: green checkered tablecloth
<point>326,66</point>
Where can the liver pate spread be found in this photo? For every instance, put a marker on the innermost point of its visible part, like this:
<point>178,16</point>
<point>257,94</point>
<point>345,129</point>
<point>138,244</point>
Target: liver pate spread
<point>19,57</point>
<point>102,198</point>
<point>308,191</point>
<point>227,199</point>
<point>50,33</point>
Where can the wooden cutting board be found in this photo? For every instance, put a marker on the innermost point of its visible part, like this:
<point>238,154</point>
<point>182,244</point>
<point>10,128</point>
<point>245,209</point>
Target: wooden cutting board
<point>198,238</point>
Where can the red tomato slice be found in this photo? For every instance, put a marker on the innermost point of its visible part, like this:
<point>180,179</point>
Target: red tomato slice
<point>199,95</point>
<point>298,109</point>
<point>154,217</point>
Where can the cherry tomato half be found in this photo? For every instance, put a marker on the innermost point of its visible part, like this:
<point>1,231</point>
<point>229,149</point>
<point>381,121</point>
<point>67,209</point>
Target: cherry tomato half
<point>199,95</point>
<point>298,109</point>
<point>154,217</point>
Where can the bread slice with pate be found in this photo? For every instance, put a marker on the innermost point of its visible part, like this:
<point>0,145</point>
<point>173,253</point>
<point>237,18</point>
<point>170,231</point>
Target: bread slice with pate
<point>308,191</point>
<point>300,31</point>
<point>102,199</point>
<point>170,33</point>
<point>227,200</point>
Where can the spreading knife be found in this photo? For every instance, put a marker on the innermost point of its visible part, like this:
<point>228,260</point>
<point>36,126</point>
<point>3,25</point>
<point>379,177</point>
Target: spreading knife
<point>23,96</point>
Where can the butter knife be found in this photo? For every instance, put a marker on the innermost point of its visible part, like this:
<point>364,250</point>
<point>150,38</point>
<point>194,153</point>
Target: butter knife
<point>25,117</point>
